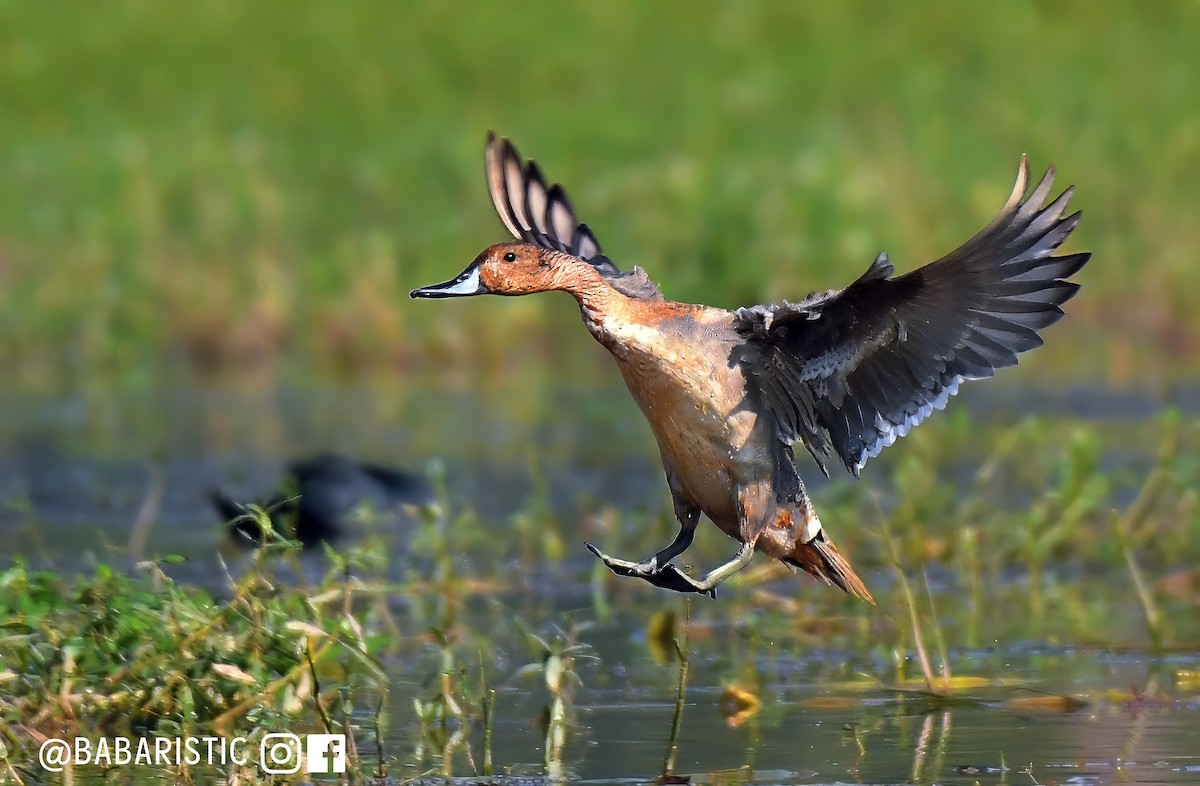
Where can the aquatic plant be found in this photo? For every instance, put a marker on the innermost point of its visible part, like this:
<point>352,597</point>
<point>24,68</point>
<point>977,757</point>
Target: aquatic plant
<point>135,654</point>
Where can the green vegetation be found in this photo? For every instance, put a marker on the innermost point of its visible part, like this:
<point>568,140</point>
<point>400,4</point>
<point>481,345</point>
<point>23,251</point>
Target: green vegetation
<point>100,644</point>
<point>119,655</point>
<point>238,185</point>
<point>110,653</point>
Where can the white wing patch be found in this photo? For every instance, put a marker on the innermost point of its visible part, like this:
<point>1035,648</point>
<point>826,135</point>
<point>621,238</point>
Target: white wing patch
<point>890,432</point>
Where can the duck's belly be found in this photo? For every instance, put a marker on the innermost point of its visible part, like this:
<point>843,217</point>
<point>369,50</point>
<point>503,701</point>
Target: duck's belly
<point>703,445</point>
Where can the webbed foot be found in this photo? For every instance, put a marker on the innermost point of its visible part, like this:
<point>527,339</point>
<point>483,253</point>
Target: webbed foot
<point>666,576</point>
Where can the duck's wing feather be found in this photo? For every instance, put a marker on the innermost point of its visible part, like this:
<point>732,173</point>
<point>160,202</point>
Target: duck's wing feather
<point>849,372</point>
<point>543,216</point>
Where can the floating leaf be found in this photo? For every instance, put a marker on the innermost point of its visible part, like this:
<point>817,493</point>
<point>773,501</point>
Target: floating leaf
<point>1045,703</point>
<point>738,705</point>
<point>1187,679</point>
<point>1119,697</point>
<point>949,685</point>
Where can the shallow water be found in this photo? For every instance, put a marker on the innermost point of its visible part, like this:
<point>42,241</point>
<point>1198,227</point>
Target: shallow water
<point>821,722</point>
<point>75,471</point>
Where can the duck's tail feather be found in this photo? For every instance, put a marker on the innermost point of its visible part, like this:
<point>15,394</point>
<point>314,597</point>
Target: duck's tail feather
<point>821,559</point>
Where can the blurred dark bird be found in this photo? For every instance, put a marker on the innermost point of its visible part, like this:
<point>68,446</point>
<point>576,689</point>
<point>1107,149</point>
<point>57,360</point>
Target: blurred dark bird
<point>843,373</point>
<point>322,497</point>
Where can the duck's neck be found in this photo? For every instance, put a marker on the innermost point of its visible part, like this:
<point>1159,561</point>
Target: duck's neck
<point>599,302</point>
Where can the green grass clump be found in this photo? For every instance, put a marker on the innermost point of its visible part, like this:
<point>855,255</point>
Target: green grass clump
<point>116,654</point>
<point>113,654</point>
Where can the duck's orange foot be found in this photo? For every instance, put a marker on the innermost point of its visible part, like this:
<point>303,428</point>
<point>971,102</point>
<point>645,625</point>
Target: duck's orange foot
<point>666,577</point>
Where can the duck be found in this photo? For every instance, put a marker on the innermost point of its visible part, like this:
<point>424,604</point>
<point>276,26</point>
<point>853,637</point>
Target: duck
<point>843,374</point>
<point>321,494</point>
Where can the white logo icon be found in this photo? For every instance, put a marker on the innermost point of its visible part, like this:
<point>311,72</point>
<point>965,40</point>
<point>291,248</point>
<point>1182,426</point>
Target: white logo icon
<point>326,753</point>
<point>279,754</point>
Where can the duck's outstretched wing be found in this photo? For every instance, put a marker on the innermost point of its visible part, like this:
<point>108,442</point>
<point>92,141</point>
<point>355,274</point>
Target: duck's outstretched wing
<point>849,372</point>
<point>544,216</point>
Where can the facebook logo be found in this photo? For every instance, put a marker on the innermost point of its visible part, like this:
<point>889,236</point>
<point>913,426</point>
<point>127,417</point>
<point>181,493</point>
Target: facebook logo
<point>325,753</point>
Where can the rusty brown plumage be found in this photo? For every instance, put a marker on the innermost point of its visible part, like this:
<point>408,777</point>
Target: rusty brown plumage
<point>843,373</point>
<point>821,559</point>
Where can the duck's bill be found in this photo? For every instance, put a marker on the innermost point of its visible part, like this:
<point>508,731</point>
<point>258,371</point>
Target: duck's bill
<point>466,284</point>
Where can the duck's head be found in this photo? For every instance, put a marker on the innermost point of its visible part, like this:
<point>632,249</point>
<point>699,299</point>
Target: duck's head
<point>507,269</point>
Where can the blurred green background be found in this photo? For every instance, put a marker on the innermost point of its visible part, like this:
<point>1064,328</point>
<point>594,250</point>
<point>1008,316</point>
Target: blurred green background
<point>227,186</point>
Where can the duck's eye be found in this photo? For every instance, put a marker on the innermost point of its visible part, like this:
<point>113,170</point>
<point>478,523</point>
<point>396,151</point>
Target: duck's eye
<point>510,257</point>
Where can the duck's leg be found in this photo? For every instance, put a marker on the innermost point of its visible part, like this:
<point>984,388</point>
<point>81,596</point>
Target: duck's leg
<point>672,578</point>
<point>752,501</point>
<point>689,517</point>
<point>654,564</point>
<point>658,570</point>
<point>708,584</point>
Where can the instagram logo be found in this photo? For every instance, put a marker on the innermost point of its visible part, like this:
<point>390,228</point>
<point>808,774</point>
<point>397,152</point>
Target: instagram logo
<point>279,754</point>
<point>326,752</point>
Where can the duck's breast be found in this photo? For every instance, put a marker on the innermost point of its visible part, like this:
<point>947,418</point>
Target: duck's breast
<point>678,370</point>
